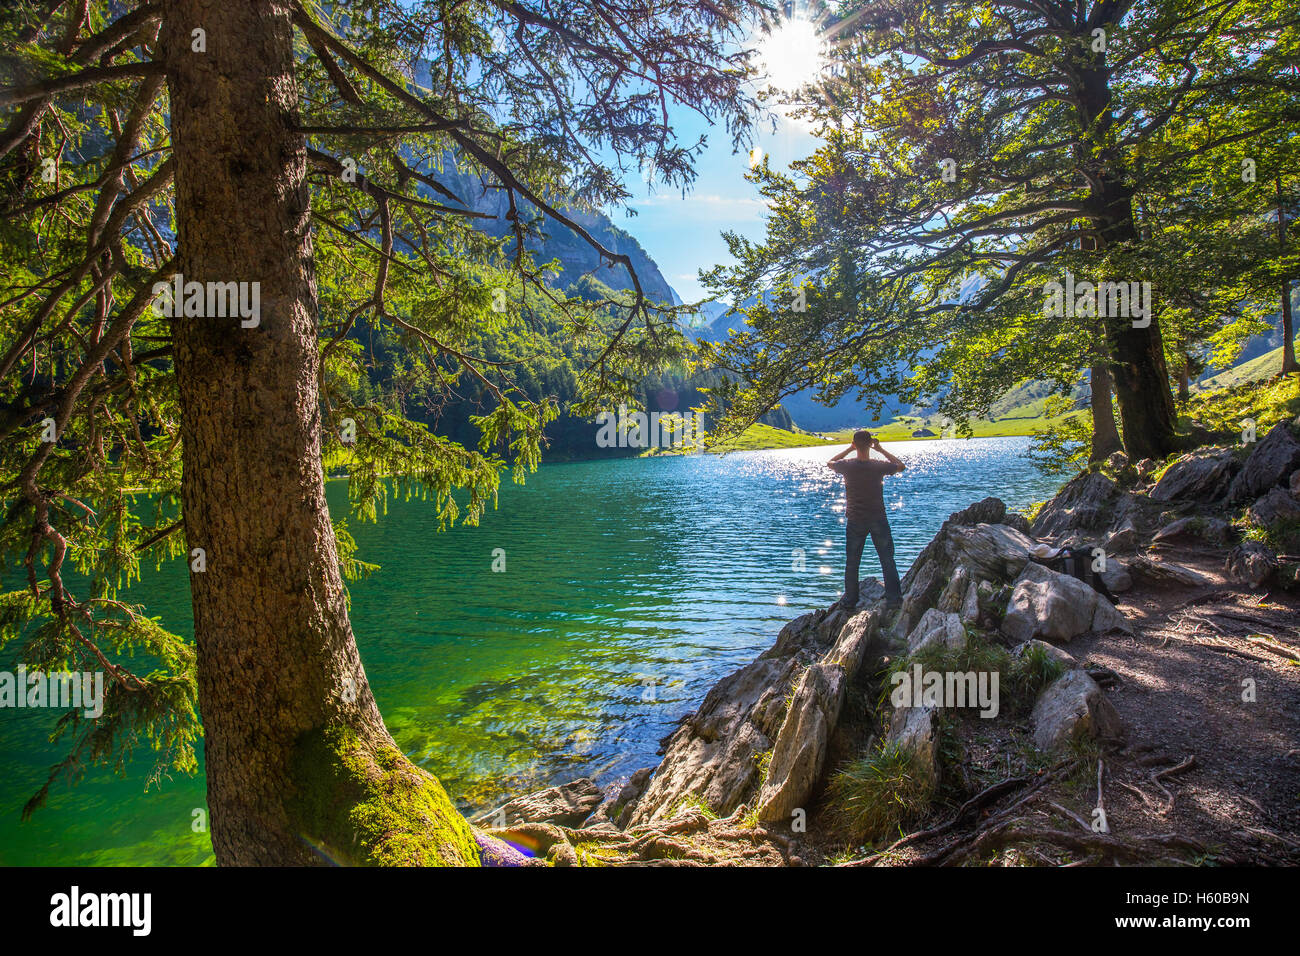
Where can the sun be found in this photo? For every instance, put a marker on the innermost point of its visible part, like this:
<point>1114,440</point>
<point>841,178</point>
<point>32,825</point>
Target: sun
<point>792,55</point>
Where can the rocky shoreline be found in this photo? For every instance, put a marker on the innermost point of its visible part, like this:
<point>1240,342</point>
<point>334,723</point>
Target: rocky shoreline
<point>740,776</point>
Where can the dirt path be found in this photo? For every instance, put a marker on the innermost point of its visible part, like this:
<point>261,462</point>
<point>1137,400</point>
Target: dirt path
<point>1181,681</point>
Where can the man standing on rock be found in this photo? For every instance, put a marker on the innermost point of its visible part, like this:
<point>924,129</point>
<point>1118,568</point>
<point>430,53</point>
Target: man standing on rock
<point>865,514</point>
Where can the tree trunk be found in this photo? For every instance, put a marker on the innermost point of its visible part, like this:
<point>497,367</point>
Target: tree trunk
<point>1105,436</point>
<point>1289,365</point>
<point>1141,379</point>
<point>300,768</point>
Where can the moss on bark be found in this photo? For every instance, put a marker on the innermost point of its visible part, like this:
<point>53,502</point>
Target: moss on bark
<point>365,805</point>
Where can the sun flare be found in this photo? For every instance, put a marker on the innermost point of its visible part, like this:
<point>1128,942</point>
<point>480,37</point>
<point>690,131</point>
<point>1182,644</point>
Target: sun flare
<point>792,55</point>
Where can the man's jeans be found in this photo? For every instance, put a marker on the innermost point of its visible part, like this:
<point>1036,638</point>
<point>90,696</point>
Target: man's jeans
<point>855,537</point>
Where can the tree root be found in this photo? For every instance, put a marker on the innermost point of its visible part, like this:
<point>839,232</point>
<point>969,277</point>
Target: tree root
<point>977,802</point>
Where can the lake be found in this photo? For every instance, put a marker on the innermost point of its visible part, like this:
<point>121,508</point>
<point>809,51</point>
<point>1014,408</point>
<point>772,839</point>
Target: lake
<point>629,588</point>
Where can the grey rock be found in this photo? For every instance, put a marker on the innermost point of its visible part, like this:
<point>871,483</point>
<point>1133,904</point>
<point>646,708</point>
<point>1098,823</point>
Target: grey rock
<point>1272,462</point>
<point>1204,474</point>
<point>1250,563</point>
<point>915,729</point>
<point>1276,505</point>
<point>1056,607</point>
<point>1116,577</point>
<point>955,591</point>
<point>713,753</point>
<point>1061,656</point>
<point>1167,572</point>
<point>1070,707</point>
<point>970,606</point>
<point>799,753</point>
<point>989,550</point>
<point>937,628</point>
<point>1122,541</point>
<point>1015,519</point>
<point>1213,530</point>
<point>1085,503</point>
<point>800,750</point>
<point>1147,467</point>
<point>987,511</point>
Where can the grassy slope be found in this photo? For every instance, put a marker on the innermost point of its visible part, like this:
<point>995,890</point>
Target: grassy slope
<point>1021,420</point>
<point>1265,366</point>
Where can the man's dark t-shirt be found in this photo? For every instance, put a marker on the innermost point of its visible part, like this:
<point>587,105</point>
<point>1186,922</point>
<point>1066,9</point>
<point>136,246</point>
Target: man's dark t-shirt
<point>862,486</point>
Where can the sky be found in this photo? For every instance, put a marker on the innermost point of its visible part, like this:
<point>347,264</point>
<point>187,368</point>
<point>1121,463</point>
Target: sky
<point>684,234</point>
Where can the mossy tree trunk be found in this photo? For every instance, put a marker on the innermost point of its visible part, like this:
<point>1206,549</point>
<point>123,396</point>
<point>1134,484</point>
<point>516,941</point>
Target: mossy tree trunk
<point>300,768</point>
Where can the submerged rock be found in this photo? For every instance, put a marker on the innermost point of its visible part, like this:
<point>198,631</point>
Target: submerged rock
<point>567,805</point>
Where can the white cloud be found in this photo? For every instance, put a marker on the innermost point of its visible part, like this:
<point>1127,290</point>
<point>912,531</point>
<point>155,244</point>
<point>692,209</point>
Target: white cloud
<point>733,208</point>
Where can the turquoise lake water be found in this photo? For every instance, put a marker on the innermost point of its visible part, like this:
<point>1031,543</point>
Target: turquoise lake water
<point>630,587</point>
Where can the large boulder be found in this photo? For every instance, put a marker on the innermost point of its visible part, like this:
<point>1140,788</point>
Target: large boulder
<point>799,754</point>
<point>1116,577</point>
<point>1070,707</point>
<point>1213,530</point>
<point>1204,475</point>
<point>1056,607</point>
<point>1278,504</point>
<point>713,755</point>
<point>988,551</point>
<point>1271,463</point>
<point>1085,503</point>
<point>994,551</point>
<point>800,750</point>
